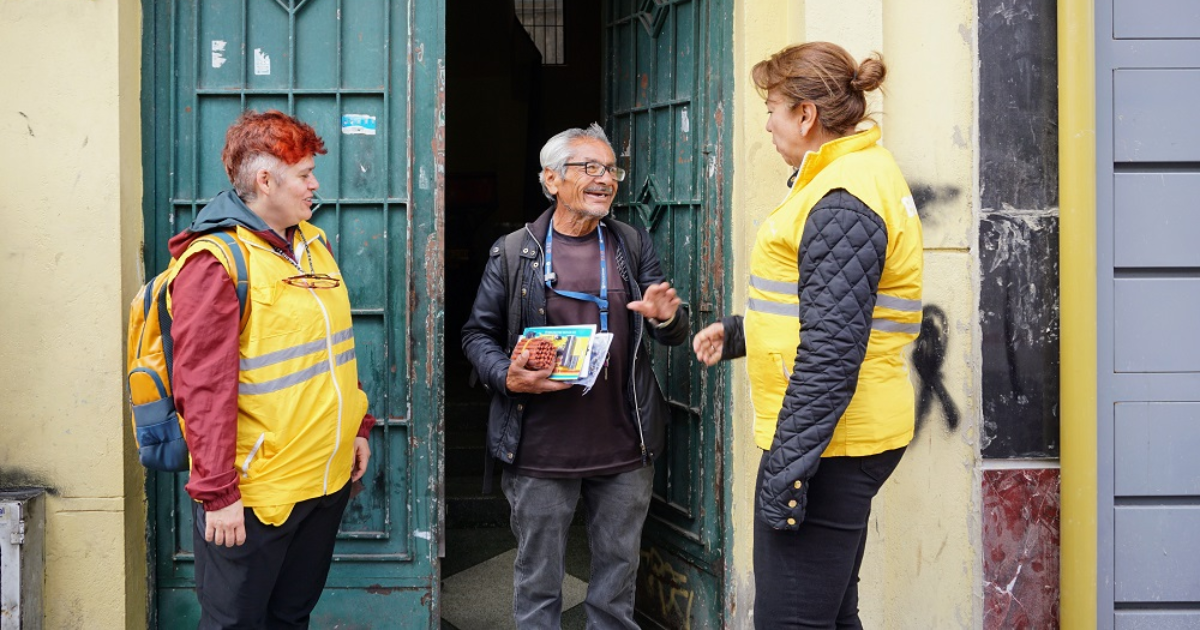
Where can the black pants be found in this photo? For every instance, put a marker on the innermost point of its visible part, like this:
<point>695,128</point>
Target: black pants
<point>275,579</point>
<point>808,578</point>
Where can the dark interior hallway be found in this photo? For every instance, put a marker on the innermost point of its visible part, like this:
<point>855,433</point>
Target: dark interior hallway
<point>516,74</point>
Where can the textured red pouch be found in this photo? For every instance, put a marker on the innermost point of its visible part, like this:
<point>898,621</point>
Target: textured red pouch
<point>541,352</point>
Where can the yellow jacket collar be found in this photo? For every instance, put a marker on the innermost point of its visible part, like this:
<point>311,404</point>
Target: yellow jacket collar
<point>814,162</point>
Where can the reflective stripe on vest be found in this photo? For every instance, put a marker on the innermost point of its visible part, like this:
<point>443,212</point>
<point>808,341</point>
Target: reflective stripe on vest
<point>879,321</point>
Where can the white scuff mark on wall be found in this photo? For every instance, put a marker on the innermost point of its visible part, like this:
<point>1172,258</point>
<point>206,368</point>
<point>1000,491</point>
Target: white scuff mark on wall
<point>218,53</point>
<point>960,140</point>
<point>422,534</point>
<point>685,123</point>
<point>1010,269</point>
<point>712,165</point>
<point>262,62</point>
<point>423,179</point>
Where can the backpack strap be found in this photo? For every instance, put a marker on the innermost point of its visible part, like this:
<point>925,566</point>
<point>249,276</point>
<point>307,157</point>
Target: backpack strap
<point>227,245</point>
<point>241,280</point>
<point>511,269</point>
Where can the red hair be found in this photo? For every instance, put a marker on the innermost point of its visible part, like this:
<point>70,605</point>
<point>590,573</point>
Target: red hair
<point>271,133</point>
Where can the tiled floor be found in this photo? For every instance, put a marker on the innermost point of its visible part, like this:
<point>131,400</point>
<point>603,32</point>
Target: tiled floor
<point>481,594</point>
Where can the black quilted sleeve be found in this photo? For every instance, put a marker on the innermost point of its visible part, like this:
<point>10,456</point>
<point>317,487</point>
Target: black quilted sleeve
<point>735,338</point>
<point>841,260</point>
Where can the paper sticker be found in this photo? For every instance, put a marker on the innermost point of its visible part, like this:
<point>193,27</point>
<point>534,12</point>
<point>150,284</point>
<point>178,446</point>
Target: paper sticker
<point>358,124</point>
<point>218,53</point>
<point>262,62</point>
<point>685,123</point>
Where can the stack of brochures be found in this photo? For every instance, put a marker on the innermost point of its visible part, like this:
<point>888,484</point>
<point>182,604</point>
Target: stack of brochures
<point>581,352</point>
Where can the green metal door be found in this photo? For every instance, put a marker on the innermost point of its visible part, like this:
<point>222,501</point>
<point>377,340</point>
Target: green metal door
<point>369,76</point>
<point>667,95</point>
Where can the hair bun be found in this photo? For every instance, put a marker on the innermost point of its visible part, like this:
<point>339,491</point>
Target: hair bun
<point>870,74</point>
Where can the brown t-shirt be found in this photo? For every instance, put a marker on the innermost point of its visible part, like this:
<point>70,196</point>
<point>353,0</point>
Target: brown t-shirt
<point>569,434</point>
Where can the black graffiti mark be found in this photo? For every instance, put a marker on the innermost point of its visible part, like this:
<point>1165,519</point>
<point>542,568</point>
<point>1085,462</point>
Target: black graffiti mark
<point>925,195</point>
<point>929,353</point>
<point>27,125</point>
<point>12,478</point>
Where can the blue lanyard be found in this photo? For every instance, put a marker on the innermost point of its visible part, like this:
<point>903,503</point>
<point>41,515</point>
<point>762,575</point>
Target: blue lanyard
<point>601,301</point>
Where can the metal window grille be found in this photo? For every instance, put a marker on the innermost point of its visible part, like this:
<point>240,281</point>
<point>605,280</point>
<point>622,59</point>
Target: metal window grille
<point>543,20</point>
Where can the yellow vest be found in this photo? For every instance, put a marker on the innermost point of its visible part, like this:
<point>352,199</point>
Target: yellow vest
<point>299,404</point>
<point>881,414</point>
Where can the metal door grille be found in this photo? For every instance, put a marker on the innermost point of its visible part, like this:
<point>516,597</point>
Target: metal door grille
<point>543,20</point>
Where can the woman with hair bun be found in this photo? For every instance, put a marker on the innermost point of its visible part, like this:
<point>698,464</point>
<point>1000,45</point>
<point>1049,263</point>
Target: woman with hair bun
<point>834,303</point>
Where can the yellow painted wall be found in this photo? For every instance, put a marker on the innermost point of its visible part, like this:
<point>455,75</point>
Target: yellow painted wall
<point>70,170</point>
<point>923,568</point>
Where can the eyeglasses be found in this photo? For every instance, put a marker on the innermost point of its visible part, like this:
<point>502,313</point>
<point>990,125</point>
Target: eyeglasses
<point>596,169</point>
<point>310,280</point>
<point>313,281</point>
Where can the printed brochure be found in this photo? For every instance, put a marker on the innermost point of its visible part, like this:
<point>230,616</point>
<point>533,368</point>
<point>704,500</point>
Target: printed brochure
<point>573,345</point>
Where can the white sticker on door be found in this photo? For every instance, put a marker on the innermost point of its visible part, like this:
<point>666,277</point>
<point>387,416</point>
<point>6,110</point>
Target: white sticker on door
<point>262,62</point>
<point>218,53</point>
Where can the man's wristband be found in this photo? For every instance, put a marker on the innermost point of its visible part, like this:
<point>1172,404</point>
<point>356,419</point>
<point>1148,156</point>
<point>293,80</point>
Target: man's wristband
<point>658,324</point>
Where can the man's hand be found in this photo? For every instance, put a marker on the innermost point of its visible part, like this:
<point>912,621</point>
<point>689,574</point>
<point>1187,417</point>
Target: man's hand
<point>226,526</point>
<point>658,302</point>
<point>362,455</point>
<point>709,344</point>
<point>522,380</point>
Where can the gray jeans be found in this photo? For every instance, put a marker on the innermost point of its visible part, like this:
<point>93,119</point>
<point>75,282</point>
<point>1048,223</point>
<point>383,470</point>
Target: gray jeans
<point>542,509</point>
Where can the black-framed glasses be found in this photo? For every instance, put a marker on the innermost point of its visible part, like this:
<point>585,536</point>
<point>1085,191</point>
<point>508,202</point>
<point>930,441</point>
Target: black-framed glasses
<point>596,169</point>
<point>312,279</point>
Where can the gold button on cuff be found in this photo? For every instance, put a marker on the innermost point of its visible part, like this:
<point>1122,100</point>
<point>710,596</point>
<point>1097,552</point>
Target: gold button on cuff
<point>791,521</point>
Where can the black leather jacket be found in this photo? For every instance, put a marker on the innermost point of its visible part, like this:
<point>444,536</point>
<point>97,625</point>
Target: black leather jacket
<point>488,346</point>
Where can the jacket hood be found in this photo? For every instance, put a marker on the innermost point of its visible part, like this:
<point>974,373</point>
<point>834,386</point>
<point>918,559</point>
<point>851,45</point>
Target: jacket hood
<point>225,211</point>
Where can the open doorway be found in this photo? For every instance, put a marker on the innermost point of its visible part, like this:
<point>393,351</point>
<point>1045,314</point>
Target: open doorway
<point>518,71</point>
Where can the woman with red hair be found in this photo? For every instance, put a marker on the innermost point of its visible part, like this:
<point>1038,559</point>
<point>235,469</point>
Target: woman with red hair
<point>275,421</point>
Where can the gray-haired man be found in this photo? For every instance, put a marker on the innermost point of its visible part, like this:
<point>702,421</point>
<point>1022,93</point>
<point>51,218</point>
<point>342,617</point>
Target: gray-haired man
<point>576,267</point>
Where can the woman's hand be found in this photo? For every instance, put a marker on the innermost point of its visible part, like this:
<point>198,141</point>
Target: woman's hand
<point>709,343</point>
<point>362,455</point>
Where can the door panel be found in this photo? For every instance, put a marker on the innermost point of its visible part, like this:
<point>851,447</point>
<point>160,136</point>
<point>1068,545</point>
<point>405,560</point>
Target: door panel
<point>378,61</point>
<point>664,103</point>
